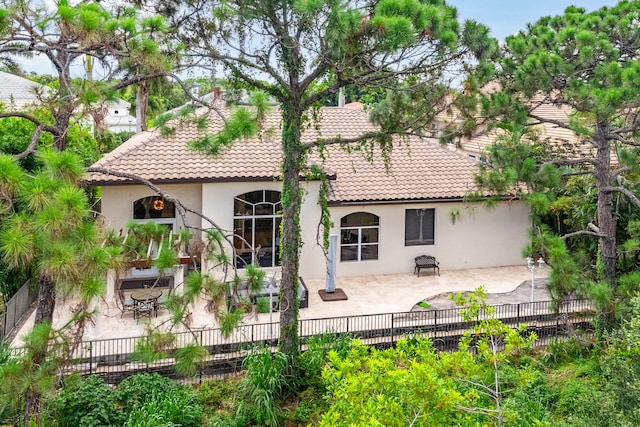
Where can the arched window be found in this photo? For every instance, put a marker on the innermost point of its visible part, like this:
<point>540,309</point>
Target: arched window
<point>359,237</point>
<point>256,222</point>
<point>156,209</point>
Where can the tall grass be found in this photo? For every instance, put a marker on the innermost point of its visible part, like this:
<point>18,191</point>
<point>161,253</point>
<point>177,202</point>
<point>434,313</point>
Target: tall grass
<point>264,383</point>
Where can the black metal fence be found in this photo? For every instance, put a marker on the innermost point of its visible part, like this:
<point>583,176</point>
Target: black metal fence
<point>112,358</point>
<point>15,308</point>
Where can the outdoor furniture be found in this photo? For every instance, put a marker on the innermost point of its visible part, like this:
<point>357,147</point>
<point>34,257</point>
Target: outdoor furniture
<point>126,304</point>
<point>146,302</point>
<point>426,261</point>
<point>163,299</point>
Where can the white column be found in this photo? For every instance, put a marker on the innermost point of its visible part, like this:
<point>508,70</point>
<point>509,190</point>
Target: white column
<point>330,286</point>
<point>111,286</point>
<point>178,280</point>
<point>94,329</point>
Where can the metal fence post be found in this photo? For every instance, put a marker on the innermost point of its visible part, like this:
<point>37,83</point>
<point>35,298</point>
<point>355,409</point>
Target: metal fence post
<point>435,323</point>
<point>392,331</point>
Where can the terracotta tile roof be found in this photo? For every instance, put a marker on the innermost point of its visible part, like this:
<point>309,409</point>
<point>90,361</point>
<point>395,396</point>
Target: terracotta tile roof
<point>419,169</point>
<point>166,159</point>
<point>561,139</point>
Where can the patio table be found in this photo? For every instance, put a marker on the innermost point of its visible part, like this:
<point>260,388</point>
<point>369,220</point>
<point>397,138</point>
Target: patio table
<point>146,301</point>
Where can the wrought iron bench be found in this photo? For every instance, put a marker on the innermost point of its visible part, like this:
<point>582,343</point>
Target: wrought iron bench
<point>426,261</point>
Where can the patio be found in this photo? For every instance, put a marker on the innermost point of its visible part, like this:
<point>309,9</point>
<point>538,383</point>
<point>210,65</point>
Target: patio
<point>366,295</point>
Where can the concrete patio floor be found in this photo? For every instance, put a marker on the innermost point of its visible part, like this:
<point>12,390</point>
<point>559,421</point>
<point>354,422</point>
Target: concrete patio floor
<point>366,295</point>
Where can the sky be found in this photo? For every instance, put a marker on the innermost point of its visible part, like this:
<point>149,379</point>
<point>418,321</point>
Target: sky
<point>507,17</point>
<point>503,17</point>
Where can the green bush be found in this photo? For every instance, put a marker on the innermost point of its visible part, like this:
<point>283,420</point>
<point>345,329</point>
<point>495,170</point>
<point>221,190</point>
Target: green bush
<point>140,401</point>
<point>138,389</point>
<point>172,409</point>
<point>310,408</point>
<point>169,401</point>
<point>581,403</point>
<point>568,350</point>
<point>621,366</point>
<point>228,420</point>
<point>315,357</point>
<point>263,305</point>
<point>532,403</point>
<point>263,384</point>
<point>217,394</point>
<point>85,402</point>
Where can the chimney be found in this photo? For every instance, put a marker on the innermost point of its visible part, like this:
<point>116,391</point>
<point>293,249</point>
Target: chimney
<point>195,90</point>
<point>341,98</point>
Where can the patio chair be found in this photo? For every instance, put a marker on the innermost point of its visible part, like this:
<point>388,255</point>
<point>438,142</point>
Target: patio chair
<point>144,309</point>
<point>426,261</point>
<point>126,304</point>
<point>162,301</point>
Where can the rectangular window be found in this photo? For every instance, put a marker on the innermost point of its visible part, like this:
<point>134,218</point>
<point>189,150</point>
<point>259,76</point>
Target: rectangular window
<point>419,227</point>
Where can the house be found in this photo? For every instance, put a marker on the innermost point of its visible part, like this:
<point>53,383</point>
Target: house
<point>18,93</point>
<point>384,214</point>
<point>546,115</point>
<point>116,118</point>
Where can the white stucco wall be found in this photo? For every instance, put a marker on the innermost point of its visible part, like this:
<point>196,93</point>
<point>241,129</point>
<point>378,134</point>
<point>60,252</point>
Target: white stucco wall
<point>480,238</point>
<point>217,204</point>
<point>117,202</point>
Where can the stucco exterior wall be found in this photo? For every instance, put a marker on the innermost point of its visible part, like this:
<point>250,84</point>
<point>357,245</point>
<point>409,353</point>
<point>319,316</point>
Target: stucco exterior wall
<point>479,238</point>
<point>217,204</point>
<point>117,202</point>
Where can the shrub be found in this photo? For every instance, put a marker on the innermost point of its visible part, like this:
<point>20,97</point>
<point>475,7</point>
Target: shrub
<point>172,409</point>
<point>532,403</point>
<point>263,305</point>
<point>169,401</point>
<point>314,358</point>
<point>141,388</point>
<point>621,366</point>
<point>215,394</point>
<point>86,402</point>
<point>310,408</point>
<point>580,403</point>
<point>263,385</point>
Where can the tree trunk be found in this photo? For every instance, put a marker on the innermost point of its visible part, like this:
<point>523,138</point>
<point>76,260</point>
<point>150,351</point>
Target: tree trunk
<point>44,313</point>
<point>142,101</point>
<point>46,301</point>
<point>66,101</point>
<point>606,219</point>
<point>293,152</point>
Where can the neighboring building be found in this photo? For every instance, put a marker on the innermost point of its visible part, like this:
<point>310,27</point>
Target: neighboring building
<point>384,214</point>
<point>544,129</point>
<point>18,93</point>
<point>117,118</point>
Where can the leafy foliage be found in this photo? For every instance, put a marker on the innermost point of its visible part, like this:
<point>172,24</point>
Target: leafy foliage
<point>264,384</point>
<point>621,366</point>
<point>413,384</point>
<point>86,402</point>
<point>583,64</point>
<point>141,400</point>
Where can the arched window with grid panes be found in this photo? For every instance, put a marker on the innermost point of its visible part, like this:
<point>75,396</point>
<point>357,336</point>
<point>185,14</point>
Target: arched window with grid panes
<point>359,237</point>
<point>256,224</point>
